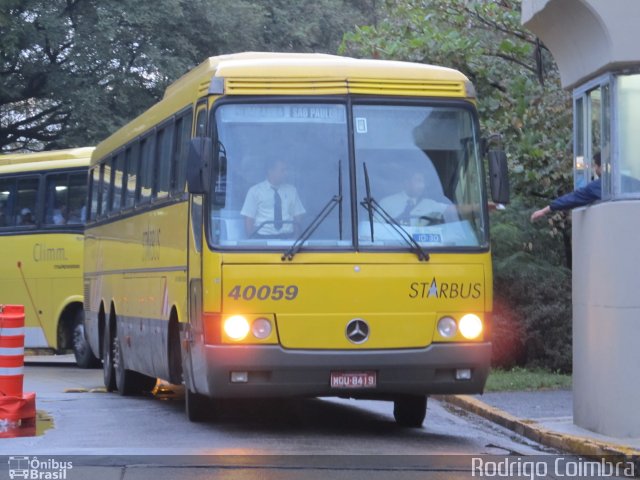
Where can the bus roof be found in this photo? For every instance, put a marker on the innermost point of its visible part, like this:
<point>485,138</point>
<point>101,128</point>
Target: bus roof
<point>264,73</point>
<point>49,160</point>
<point>264,67</point>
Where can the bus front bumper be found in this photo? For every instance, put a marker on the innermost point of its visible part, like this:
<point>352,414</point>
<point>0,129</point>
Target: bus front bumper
<point>272,371</point>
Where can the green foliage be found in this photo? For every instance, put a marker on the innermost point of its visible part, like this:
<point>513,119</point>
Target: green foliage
<point>73,71</point>
<point>519,96</point>
<point>519,379</point>
<point>532,293</point>
<point>519,93</point>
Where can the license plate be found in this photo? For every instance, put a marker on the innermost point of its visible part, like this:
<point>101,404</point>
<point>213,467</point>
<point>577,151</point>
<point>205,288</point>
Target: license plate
<point>353,379</point>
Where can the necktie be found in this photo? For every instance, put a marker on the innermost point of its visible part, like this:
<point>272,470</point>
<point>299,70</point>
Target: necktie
<point>405,216</point>
<point>277,209</point>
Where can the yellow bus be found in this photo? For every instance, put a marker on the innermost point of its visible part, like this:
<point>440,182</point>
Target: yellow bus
<point>42,210</point>
<point>295,225</point>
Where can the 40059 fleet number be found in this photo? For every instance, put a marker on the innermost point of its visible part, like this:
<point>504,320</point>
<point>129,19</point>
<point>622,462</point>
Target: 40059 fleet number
<point>264,292</point>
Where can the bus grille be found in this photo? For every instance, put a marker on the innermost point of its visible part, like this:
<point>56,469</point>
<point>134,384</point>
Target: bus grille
<point>261,86</point>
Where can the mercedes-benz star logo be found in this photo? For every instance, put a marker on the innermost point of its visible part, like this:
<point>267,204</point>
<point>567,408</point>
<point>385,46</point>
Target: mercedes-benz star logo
<point>357,331</point>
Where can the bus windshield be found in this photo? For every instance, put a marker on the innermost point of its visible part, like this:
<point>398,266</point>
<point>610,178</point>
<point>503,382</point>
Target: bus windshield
<point>282,167</point>
<point>423,170</point>
<point>281,164</point>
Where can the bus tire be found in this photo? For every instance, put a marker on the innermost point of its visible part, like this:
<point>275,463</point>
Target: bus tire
<point>410,410</point>
<point>81,349</point>
<point>128,382</point>
<point>197,406</point>
<point>108,369</point>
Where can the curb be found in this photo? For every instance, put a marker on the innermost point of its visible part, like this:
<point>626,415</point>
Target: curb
<point>532,430</point>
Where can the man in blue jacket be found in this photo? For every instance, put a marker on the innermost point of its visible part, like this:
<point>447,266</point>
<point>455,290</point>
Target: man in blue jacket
<point>578,198</point>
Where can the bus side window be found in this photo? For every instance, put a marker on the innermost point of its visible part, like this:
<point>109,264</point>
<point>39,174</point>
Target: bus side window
<point>145,178</point>
<point>132,162</point>
<point>118,182</point>
<point>106,183</point>
<point>56,205</point>
<point>7,199</point>
<point>27,195</point>
<point>75,199</point>
<point>201,123</point>
<point>183,135</point>
<point>95,193</point>
<point>164,148</point>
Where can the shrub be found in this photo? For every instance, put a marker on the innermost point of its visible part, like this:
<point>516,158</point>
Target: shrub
<point>532,295</point>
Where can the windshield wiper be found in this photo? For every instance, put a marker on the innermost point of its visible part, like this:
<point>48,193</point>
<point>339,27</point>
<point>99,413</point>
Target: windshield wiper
<point>372,205</point>
<point>318,219</point>
<point>315,223</point>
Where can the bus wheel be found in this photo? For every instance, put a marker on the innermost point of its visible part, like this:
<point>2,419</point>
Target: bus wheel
<point>124,378</point>
<point>410,410</point>
<point>196,406</point>
<point>108,369</point>
<point>128,382</point>
<point>81,349</point>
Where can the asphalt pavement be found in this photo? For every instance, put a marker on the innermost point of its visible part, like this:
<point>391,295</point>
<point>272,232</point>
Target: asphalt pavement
<point>107,436</point>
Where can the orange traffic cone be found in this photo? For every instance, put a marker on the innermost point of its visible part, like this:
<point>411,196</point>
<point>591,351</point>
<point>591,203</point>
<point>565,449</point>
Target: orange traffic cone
<point>14,405</point>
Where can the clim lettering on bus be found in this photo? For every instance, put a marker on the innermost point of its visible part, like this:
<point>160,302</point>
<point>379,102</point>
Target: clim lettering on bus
<point>42,253</point>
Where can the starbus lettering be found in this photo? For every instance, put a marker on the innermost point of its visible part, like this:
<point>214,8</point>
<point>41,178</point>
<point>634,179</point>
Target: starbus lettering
<point>42,253</point>
<point>151,244</point>
<point>446,290</point>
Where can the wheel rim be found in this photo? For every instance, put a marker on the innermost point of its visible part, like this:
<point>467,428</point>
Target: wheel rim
<point>79,343</point>
<point>116,354</point>
<point>107,362</point>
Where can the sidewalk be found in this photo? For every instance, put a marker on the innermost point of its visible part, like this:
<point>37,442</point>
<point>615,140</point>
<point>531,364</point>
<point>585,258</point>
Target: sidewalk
<point>545,417</point>
<point>31,358</point>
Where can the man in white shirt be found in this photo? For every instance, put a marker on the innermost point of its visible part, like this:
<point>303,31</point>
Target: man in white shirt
<point>412,207</point>
<point>272,208</point>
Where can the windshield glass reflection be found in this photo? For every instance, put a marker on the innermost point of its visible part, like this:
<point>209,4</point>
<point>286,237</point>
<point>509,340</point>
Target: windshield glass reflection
<point>279,164</point>
<point>423,171</point>
<point>282,163</point>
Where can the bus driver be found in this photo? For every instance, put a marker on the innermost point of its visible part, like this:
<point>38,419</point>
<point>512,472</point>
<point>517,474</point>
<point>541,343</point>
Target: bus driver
<point>272,208</point>
<point>412,206</point>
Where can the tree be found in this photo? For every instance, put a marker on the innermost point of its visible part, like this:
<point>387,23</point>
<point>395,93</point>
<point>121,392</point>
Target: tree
<point>519,96</point>
<point>73,71</point>
<point>517,81</point>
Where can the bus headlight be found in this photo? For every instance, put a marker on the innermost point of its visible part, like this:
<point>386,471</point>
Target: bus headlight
<point>236,327</point>
<point>470,326</point>
<point>447,327</point>
<point>261,328</point>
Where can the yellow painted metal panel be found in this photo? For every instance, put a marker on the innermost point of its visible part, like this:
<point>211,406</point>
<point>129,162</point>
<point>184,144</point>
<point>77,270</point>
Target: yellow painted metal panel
<point>45,161</point>
<point>400,300</point>
<point>139,263</point>
<point>83,154</point>
<point>40,271</point>
<point>328,331</point>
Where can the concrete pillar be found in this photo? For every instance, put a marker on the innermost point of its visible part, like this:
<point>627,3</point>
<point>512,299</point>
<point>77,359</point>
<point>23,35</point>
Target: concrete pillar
<point>606,318</point>
<point>590,38</point>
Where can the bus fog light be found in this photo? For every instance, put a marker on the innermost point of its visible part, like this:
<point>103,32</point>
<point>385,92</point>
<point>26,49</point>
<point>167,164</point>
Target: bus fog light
<point>239,377</point>
<point>463,374</point>
<point>236,327</point>
<point>261,328</point>
<point>447,327</point>
<point>470,326</point>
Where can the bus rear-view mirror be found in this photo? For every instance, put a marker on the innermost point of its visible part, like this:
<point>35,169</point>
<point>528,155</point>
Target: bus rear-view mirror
<point>499,176</point>
<point>199,165</point>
